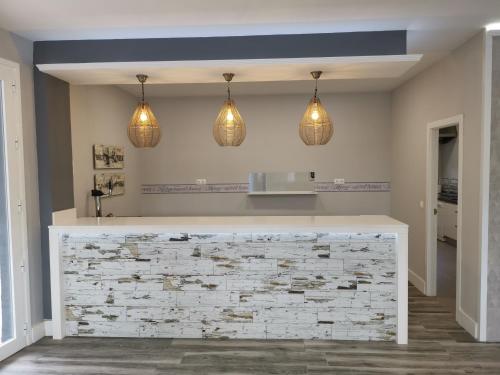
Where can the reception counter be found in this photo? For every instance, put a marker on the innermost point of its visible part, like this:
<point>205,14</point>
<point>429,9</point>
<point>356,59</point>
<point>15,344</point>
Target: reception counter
<point>293,277</point>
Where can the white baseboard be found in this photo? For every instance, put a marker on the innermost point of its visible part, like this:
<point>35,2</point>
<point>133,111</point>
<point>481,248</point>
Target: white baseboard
<point>416,280</point>
<point>37,331</point>
<point>48,327</point>
<point>469,324</point>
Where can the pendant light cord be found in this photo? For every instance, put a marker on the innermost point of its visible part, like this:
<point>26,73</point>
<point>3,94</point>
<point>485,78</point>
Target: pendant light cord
<point>142,88</point>
<point>228,90</point>
<point>316,89</point>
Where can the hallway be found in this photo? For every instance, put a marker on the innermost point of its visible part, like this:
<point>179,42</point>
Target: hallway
<point>437,346</point>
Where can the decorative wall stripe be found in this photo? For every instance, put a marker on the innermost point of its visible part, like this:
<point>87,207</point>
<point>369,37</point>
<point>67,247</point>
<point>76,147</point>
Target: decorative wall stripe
<point>322,187</point>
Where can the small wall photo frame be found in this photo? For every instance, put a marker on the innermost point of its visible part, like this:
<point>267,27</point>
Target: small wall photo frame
<point>108,157</point>
<point>102,181</point>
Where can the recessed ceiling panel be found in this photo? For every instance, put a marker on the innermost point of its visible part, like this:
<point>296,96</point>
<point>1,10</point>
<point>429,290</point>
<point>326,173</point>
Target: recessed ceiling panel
<point>261,70</point>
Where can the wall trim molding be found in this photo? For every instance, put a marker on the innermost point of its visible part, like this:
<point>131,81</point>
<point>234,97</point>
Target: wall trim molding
<point>416,280</point>
<point>240,187</point>
<point>47,323</point>
<point>468,323</point>
<point>37,331</point>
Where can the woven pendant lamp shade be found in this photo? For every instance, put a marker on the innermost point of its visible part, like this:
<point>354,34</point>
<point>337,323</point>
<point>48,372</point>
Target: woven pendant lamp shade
<point>229,128</point>
<point>143,129</point>
<point>316,128</point>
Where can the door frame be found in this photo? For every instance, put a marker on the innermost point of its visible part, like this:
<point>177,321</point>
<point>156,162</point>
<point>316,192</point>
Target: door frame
<point>18,234</point>
<point>431,204</point>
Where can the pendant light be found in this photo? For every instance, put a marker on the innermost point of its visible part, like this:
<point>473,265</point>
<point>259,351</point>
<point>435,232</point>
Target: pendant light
<point>316,127</point>
<point>143,130</point>
<point>229,127</point>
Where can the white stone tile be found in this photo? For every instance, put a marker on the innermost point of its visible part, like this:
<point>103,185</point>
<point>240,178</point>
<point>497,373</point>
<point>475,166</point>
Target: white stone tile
<point>96,313</point>
<point>299,331</point>
<point>144,298</point>
<point>232,251</point>
<point>284,237</point>
<point>88,297</point>
<point>282,315</point>
<point>159,314</point>
<point>109,329</point>
<point>234,330</point>
<point>256,281</point>
<point>311,265</point>
<point>250,265</point>
<point>81,281</point>
<point>188,330</point>
<point>131,283</point>
<point>207,298</point>
<point>194,283</point>
<point>322,280</point>
<point>221,314</point>
<point>183,267</point>
<point>344,298</point>
<point>120,267</point>
<point>270,299</point>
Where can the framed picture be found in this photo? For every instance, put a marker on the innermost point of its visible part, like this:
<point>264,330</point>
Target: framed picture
<point>102,182</point>
<point>108,157</point>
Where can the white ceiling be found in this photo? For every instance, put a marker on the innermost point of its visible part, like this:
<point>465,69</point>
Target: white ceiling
<point>210,71</point>
<point>262,76</point>
<point>435,27</point>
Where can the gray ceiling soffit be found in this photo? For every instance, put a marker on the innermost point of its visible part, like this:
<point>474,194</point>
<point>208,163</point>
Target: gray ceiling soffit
<point>369,43</point>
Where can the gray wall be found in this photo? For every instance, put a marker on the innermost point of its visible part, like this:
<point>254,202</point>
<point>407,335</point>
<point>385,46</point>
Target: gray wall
<point>450,87</point>
<point>55,160</point>
<point>359,151</point>
<point>15,48</point>
<point>493,312</point>
<point>100,115</point>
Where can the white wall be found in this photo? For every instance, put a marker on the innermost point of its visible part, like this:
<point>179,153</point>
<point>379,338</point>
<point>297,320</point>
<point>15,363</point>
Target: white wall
<point>17,49</point>
<point>100,115</point>
<point>450,87</point>
<point>359,151</point>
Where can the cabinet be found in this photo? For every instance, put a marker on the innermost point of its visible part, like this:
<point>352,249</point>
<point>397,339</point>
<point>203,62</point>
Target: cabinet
<point>447,220</point>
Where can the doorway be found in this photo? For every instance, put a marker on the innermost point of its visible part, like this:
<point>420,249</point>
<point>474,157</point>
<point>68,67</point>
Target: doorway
<point>14,303</point>
<point>444,210</point>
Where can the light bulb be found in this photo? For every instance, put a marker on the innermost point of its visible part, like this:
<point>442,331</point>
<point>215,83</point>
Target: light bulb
<point>229,116</point>
<point>143,116</point>
<point>315,115</point>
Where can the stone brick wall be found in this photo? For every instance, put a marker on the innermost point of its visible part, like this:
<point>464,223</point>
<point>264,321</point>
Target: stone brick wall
<point>254,285</point>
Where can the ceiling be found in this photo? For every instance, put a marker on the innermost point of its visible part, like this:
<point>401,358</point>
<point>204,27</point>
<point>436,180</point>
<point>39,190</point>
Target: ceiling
<point>252,77</point>
<point>435,27</point>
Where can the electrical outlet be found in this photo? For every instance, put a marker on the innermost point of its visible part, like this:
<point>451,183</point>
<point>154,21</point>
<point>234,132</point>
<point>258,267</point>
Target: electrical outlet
<point>339,181</point>
<point>201,181</point>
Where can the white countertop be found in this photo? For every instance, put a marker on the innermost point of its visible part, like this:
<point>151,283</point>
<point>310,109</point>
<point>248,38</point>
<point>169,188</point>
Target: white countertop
<point>363,223</point>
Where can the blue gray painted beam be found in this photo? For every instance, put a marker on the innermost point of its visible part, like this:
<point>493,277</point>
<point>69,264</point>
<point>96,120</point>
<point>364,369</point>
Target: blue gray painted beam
<point>369,43</point>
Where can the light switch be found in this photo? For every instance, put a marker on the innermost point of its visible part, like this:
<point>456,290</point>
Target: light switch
<point>201,181</point>
<point>339,181</point>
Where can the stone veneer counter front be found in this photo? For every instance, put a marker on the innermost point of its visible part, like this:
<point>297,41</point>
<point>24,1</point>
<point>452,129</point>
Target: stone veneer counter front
<point>233,277</point>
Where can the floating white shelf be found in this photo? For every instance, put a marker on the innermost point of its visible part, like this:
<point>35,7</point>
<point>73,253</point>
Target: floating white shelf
<point>283,192</point>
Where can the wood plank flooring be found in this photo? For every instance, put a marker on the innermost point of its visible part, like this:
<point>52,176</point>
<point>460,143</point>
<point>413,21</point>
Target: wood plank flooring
<point>437,346</point>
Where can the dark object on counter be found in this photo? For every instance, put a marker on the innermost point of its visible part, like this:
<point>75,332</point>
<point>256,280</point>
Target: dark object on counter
<point>98,194</point>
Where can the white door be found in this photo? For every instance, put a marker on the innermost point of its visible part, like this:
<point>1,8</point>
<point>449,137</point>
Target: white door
<point>13,273</point>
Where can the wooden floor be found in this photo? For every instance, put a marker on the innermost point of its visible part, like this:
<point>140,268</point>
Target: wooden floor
<point>437,346</point>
